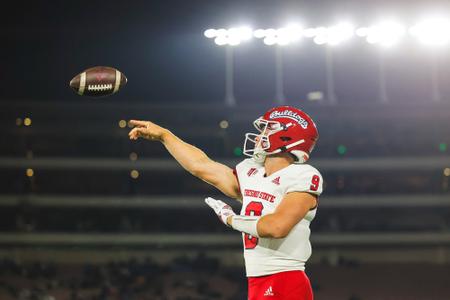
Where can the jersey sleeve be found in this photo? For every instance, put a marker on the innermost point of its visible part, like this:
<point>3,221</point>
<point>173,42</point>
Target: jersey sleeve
<point>238,170</point>
<point>308,180</point>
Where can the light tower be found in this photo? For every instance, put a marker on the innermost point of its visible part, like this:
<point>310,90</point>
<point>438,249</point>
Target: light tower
<point>279,38</point>
<point>229,38</point>
<point>433,32</point>
<point>331,37</point>
<point>385,34</point>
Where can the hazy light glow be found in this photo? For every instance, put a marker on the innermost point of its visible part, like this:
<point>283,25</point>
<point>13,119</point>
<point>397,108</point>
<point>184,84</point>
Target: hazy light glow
<point>134,174</point>
<point>259,33</point>
<point>433,32</point>
<point>221,32</point>
<point>221,40</point>
<point>362,31</point>
<point>133,156</point>
<point>210,33</point>
<point>385,33</point>
<point>122,123</point>
<point>224,124</point>
<point>270,40</point>
<point>240,33</point>
<point>309,32</point>
<point>232,36</point>
<point>30,172</point>
<point>281,36</point>
<point>333,35</point>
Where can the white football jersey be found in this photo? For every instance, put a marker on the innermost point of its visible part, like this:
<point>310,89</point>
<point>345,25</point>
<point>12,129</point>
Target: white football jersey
<point>261,196</point>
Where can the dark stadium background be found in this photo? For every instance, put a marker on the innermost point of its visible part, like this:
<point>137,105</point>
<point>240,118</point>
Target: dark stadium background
<point>74,223</point>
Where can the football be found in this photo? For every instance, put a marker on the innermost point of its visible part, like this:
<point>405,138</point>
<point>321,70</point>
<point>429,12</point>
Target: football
<point>98,82</point>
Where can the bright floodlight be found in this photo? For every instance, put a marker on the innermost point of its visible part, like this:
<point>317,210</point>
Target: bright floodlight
<point>386,33</point>
<point>270,40</point>
<point>333,35</point>
<point>320,35</point>
<point>281,36</point>
<point>233,36</point>
<point>241,33</point>
<point>340,33</point>
<point>434,32</point>
<point>309,32</point>
<point>289,34</point>
<point>362,32</point>
<point>259,33</point>
<point>221,40</point>
<point>210,33</point>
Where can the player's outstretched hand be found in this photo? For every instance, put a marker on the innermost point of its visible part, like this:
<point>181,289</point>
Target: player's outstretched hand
<point>222,210</point>
<point>147,130</point>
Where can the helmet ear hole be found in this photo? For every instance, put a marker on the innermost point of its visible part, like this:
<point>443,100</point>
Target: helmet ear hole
<point>285,138</point>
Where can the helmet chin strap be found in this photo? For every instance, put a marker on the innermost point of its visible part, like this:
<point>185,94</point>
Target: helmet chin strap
<point>260,155</point>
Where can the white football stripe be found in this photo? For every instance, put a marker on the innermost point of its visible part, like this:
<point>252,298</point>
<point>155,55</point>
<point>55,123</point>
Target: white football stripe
<point>82,83</point>
<point>116,86</point>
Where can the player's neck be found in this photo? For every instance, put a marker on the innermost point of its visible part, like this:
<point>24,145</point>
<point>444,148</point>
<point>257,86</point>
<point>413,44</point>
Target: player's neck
<point>277,162</point>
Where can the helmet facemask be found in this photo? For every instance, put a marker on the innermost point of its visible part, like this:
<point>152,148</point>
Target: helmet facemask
<point>255,145</point>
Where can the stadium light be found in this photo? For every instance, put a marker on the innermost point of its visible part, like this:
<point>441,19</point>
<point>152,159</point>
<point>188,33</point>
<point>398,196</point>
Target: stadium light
<point>309,32</point>
<point>282,36</point>
<point>259,33</point>
<point>29,172</point>
<point>333,35</point>
<point>232,36</point>
<point>27,121</point>
<point>133,156</point>
<point>210,33</point>
<point>386,33</point>
<point>432,32</point>
<point>289,34</point>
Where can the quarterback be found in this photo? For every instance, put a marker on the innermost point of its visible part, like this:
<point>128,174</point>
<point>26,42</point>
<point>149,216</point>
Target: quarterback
<point>278,191</point>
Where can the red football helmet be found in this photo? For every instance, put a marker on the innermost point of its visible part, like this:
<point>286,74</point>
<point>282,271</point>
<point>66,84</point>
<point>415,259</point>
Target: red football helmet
<point>282,129</point>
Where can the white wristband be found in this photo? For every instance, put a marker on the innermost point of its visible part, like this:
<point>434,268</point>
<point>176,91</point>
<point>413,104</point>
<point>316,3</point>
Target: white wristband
<point>245,224</point>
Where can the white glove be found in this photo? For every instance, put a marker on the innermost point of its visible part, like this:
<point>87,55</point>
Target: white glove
<point>222,210</point>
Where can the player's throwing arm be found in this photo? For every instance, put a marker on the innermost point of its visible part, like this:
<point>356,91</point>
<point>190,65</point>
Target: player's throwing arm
<point>189,157</point>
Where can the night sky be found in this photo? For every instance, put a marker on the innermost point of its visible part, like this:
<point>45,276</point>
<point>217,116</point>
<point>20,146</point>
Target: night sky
<point>160,46</point>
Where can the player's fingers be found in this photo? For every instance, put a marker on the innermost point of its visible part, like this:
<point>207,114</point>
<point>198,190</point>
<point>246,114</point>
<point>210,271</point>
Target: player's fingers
<point>138,123</point>
<point>208,201</point>
<point>141,132</point>
<point>134,133</point>
<point>211,203</point>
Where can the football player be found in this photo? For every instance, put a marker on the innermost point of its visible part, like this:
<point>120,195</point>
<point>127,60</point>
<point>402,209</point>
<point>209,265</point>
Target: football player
<point>278,191</point>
